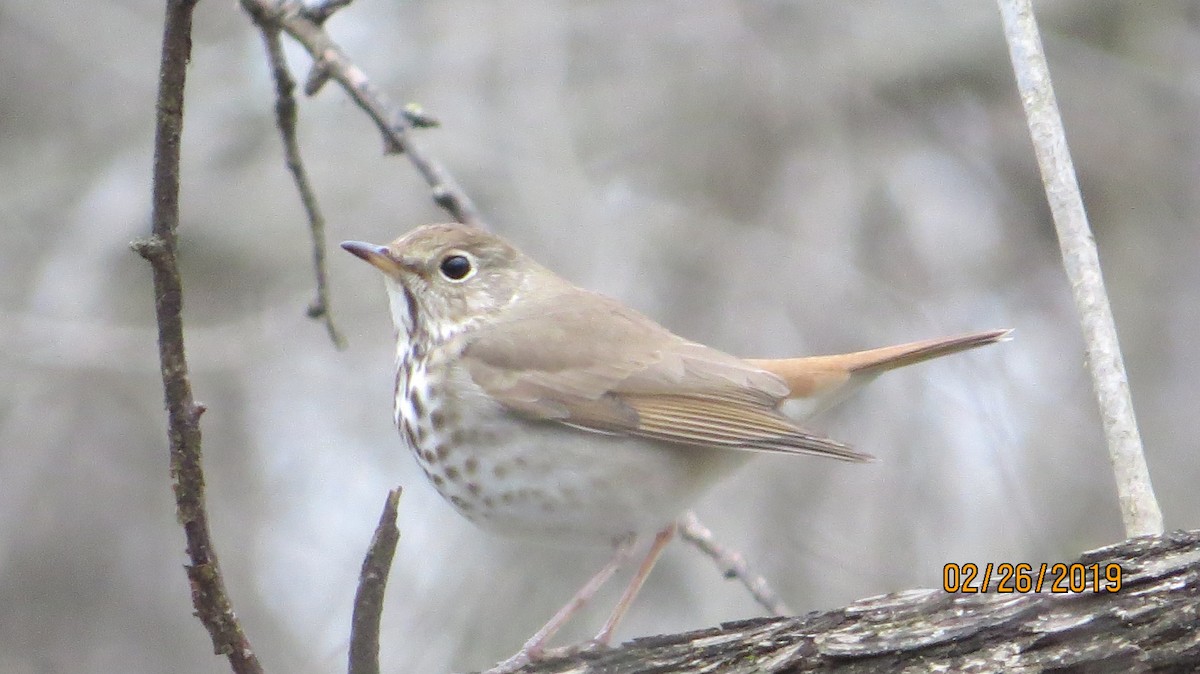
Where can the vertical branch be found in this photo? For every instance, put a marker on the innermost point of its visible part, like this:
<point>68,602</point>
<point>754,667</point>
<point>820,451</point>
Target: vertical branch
<point>285,119</point>
<point>372,581</point>
<point>183,413</point>
<point>1139,509</point>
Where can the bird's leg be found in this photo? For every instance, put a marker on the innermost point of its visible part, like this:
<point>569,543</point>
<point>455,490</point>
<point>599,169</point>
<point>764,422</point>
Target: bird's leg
<point>534,647</point>
<point>660,543</point>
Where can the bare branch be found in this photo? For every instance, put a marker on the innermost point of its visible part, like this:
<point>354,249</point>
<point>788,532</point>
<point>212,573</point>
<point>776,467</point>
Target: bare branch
<point>320,12</point>
<point>1139,508</point>
<point>372,582</point>
<point>420,119</point>
<point>285,119</point>
<point>209,598</point>
<point>731,563</point>
<point>330,62</point>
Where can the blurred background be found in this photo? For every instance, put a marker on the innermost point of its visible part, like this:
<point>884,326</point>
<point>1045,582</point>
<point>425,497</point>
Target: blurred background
<point>771,178</point>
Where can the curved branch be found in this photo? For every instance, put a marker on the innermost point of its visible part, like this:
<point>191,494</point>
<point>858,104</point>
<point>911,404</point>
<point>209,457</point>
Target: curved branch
<point>183,412</point>
<point>285,121</point>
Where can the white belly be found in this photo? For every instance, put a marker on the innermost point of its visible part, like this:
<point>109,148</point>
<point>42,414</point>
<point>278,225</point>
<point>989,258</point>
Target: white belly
<point>559,484</point>
<point>542,479</point>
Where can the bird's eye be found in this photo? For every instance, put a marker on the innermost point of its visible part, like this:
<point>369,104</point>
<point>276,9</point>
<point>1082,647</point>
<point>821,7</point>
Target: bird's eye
<point>456,267</point>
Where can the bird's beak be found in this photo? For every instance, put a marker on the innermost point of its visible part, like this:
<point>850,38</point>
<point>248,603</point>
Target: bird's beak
<point>378,256</point>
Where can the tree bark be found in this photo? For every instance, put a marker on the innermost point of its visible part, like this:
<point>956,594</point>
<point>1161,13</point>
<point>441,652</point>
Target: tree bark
<point>1149,624</point>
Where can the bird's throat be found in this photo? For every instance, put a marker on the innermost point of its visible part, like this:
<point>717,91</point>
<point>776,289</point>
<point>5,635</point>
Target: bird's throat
<point>405,312</point>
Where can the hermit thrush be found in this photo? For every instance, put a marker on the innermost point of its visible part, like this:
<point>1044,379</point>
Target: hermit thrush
<point>541,409</point>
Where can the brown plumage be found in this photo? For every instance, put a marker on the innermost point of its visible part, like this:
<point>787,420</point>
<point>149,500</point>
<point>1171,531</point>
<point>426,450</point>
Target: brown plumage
<point>542,409</point>
<point>545,350</point>
<point>602,366</point>
<point>816,375</point>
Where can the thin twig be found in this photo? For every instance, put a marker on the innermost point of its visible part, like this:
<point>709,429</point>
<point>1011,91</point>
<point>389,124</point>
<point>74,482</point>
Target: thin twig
<point>368,600</point>
<point>209,598</point>
<point>1139,508</point>
<point>420,119</point>
<point>319,12</point>
<point>330,62</point>
<point>285,119</point>
<point>731,564</point>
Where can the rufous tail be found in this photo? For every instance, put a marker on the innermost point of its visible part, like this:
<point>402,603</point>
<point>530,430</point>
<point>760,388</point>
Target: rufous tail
<point>817,375</point>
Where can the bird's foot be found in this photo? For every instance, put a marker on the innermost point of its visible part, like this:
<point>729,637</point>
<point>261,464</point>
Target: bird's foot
<point>526,656</point>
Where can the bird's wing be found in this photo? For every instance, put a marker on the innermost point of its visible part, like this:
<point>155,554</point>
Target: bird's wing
<point>600,366</point>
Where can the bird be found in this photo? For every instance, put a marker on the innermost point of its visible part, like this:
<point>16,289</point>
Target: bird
<point>542,410</point>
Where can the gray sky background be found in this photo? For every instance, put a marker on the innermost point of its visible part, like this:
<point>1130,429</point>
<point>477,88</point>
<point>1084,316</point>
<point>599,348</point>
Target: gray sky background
<point>771,178</point>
